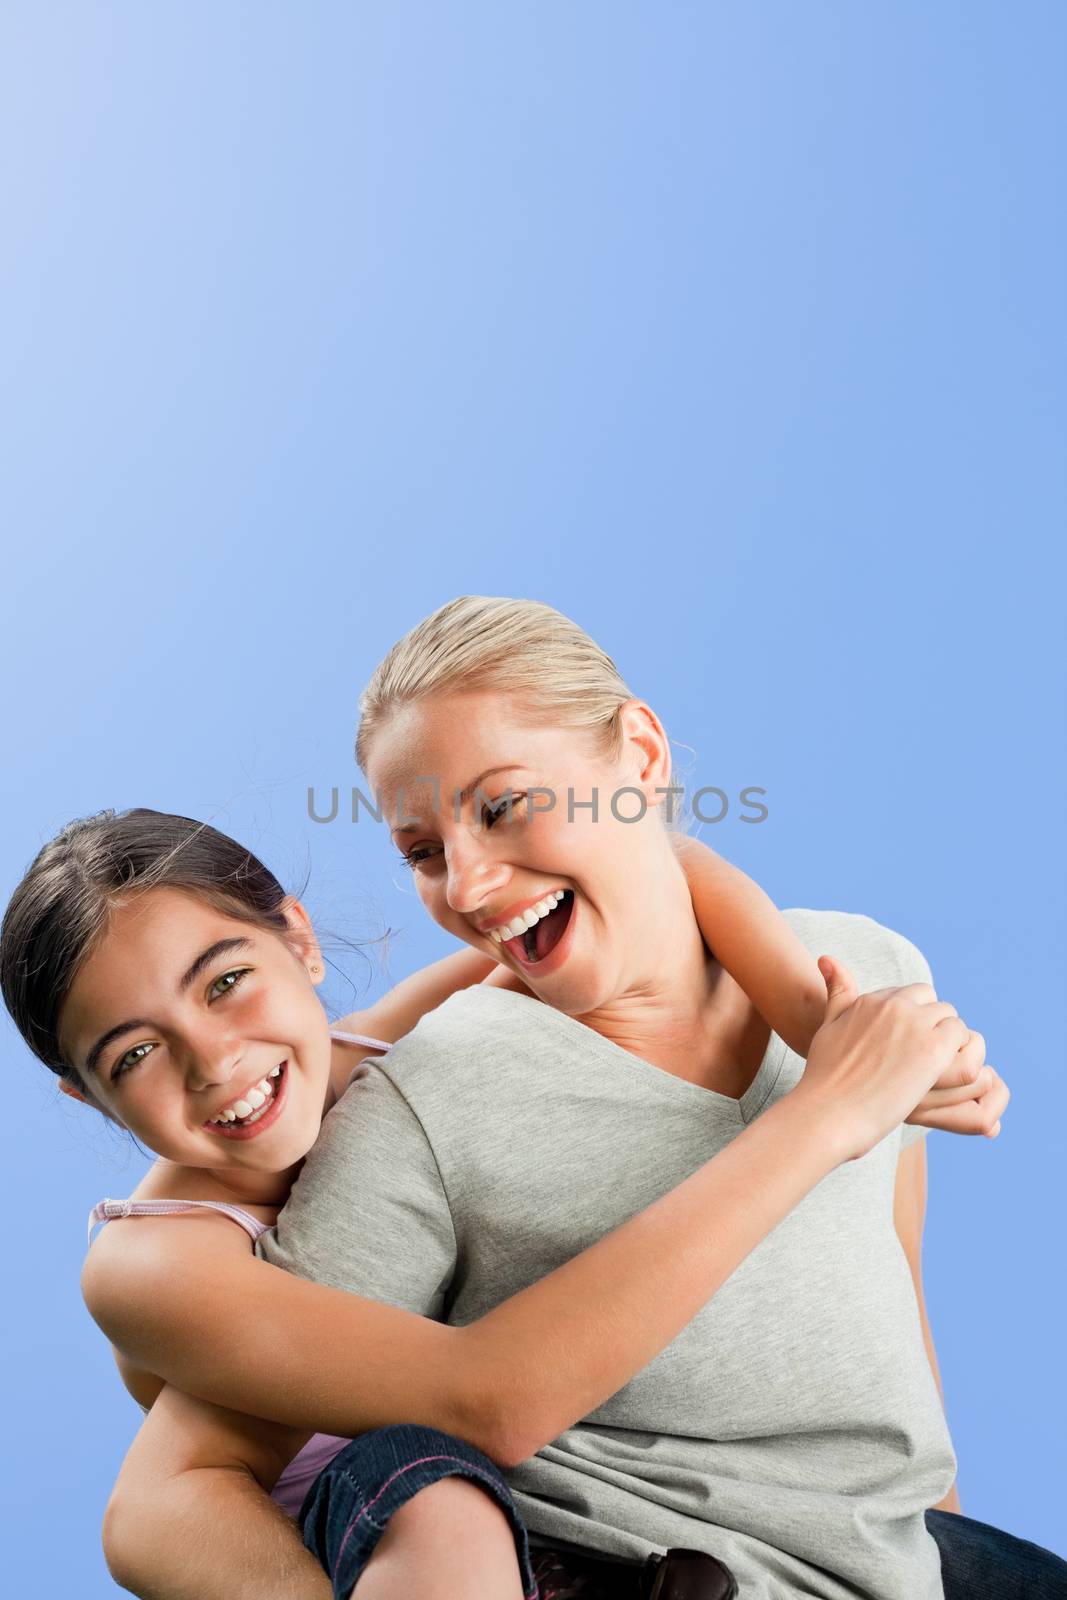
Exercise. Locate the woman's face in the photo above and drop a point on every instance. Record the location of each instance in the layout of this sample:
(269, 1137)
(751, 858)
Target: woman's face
(479, 871)
(183, 1015)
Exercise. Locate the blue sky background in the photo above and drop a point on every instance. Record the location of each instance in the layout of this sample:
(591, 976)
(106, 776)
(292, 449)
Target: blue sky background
(736, 331)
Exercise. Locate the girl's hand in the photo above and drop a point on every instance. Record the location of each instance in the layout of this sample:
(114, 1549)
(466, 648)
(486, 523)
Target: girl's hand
(879, 1056)
(974, 1105)
(969, 1095)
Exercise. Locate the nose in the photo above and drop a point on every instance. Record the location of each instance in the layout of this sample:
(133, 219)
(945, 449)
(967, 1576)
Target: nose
(213, 1063)
(472, 876)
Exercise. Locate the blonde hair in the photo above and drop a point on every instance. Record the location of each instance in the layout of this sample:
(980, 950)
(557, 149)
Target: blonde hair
(523, 648)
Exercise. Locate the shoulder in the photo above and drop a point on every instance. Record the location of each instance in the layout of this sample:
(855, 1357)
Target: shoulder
(879, 957)
(459, 1035)
(134, 1261)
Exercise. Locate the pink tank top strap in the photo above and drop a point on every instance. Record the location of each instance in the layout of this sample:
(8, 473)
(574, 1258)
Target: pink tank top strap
(359, 1038)
(112, 1210)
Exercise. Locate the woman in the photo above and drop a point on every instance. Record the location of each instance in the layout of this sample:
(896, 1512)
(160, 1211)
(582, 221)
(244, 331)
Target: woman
(94, 932)
(486, 687)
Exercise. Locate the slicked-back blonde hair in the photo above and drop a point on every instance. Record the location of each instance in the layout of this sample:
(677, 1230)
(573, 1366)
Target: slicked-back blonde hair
(545, 663)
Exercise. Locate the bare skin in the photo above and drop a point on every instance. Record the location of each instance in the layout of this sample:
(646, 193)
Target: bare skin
(638, 971)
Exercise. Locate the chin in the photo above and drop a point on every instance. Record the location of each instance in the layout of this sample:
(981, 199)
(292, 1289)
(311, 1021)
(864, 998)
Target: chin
(573, 993)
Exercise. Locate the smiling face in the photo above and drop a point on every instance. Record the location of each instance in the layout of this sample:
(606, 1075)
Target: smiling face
(482, 874)
(183, 1015)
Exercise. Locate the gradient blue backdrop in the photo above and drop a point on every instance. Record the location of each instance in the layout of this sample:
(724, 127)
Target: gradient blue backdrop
(734, 330)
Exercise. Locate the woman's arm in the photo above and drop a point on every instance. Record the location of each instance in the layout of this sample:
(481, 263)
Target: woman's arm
(909, 1217)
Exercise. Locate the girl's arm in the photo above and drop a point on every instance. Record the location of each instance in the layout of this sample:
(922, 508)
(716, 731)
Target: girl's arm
(397, 1012)
(519, 1376)
(509, 1383)
(739, 923)
(749, 937)
(186, 1299)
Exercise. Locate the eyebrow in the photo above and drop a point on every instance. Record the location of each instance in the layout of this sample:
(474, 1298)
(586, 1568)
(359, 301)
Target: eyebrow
(467, 793)
(189, 976)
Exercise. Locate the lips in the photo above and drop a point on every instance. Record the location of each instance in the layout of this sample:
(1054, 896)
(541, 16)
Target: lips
(243, 1131)
(535, 948)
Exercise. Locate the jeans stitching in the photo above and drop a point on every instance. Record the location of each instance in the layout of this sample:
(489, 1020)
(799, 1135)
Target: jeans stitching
(421, 1462)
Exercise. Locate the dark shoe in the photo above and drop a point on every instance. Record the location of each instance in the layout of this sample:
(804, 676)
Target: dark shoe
(687, 1575)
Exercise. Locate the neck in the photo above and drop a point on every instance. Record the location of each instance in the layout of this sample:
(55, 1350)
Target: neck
(677, 1007)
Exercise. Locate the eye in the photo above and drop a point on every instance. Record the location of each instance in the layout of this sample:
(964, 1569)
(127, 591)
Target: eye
(500, 808)
(415, 857)
(228, 980)
(132, 1057)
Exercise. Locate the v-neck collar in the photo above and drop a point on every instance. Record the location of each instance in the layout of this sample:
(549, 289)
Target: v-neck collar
(579, 1033)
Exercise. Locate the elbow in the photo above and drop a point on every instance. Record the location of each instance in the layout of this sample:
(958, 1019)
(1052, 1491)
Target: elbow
(504, 1435)
(510, 1449)
(488, 1422)
(493, 1413)
(119, 1539)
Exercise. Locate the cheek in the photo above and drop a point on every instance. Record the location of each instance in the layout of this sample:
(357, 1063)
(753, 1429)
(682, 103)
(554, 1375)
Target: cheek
(551, 835)
(155, 1113)
(430, 889)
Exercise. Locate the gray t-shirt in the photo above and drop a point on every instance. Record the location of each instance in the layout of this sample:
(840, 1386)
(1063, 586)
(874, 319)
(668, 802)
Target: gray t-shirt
(794, 1428)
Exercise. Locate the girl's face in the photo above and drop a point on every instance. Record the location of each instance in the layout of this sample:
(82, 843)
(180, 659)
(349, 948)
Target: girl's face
(183, 1015)
(480, 871)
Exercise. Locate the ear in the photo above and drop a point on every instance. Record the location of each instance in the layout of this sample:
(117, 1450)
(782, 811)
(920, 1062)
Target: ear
(646, 749)
(66, 1087)
(303, 943)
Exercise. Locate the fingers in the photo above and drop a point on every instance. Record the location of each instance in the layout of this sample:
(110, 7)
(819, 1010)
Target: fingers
(841, 988)
(976, 1108)
(952, 1032)
(921, 993)
(945, 1093)
(966, 1064)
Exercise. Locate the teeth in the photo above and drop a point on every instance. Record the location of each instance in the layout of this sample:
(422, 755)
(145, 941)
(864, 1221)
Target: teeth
(528, 919)
(253, 1100)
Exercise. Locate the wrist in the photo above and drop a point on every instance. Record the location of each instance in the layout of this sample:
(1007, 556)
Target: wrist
(819, 1122)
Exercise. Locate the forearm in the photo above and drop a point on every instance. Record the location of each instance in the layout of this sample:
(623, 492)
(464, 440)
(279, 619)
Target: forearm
(397, 1012)
(562, 1347)
(751, 940)
(208, 1534)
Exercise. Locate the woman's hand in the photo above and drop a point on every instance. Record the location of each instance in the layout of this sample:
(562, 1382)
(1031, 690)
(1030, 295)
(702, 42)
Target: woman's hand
(897, 1054)
(969, 1097)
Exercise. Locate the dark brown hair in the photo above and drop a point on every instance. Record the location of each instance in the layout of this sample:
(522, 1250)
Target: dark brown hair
(62, 907)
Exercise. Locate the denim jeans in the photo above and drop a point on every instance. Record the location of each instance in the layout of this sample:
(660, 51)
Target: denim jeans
(980, 1562)
(351, 1501)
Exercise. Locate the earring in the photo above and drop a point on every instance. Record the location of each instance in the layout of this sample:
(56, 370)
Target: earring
(314, 967)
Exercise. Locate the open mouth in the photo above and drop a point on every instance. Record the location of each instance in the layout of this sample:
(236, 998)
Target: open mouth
(247, 1119)
(537, 943)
